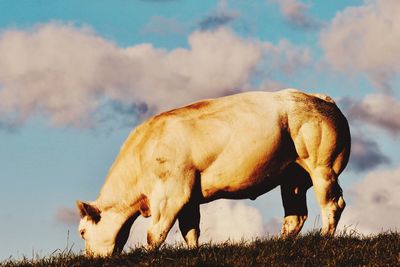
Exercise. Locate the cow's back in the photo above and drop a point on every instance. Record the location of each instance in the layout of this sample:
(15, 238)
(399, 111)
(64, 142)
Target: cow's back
(234, 141)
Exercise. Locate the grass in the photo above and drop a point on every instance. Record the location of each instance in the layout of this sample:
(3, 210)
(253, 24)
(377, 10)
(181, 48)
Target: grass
(347, 249)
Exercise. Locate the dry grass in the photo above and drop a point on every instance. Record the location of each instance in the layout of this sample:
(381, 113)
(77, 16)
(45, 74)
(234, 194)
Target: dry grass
(348, 249)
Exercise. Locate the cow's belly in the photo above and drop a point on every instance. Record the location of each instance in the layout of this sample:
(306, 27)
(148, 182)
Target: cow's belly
(249, 189)
(246, 171)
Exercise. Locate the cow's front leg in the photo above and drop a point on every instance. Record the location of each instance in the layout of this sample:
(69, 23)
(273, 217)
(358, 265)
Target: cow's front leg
(189, 223)
(294, 187)
(166, 202)
(163, 217)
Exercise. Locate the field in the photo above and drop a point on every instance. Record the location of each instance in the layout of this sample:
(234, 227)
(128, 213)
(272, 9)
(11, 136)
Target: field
(307, 250)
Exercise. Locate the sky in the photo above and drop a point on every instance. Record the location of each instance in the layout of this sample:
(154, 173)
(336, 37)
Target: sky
(77, 76)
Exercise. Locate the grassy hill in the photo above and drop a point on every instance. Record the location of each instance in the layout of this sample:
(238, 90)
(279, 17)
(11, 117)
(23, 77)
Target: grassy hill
(307, 250)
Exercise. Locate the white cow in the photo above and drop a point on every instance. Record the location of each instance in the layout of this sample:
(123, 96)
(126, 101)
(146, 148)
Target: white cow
(235, 147)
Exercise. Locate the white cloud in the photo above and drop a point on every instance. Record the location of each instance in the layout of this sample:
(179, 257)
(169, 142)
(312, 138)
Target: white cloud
(295, 13)
(49, 70)
(273, 226)
(366, 39)
(286, 58)
(64, 72)
(380, 110)
(67, 74)
(220, 220)
(230, 219)
(375, 203)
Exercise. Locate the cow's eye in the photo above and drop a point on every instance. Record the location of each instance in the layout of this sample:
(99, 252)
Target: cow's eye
(82, 232)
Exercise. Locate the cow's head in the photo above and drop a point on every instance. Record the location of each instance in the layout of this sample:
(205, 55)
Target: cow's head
(105, 231)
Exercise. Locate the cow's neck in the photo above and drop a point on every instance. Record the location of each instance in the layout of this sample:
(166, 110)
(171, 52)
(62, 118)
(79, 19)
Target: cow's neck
(119, 191)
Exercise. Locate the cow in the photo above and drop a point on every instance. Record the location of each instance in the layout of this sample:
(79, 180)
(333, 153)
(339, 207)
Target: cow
(234, 147)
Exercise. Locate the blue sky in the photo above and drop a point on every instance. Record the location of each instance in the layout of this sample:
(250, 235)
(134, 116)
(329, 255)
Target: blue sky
(77, 76)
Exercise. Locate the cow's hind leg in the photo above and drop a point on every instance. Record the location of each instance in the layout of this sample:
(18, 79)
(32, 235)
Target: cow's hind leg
(295, 183)
(189, 223)
(330, 198)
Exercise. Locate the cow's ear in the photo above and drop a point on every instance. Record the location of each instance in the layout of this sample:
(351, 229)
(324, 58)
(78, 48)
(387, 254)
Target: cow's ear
(86, 209)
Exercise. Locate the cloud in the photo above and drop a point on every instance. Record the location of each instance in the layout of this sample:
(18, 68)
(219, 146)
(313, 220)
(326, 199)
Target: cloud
(162, 26)
(365, 154)
(272, 226)
(284, 57)
(67, 216)
(364, 39)
(221, 220)
(220, 17)
(281, 59)
(375, 204)
(49, 70)
(295, 13)
(230, 219)
(67, 74)
(216, 20)
(380, 110)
